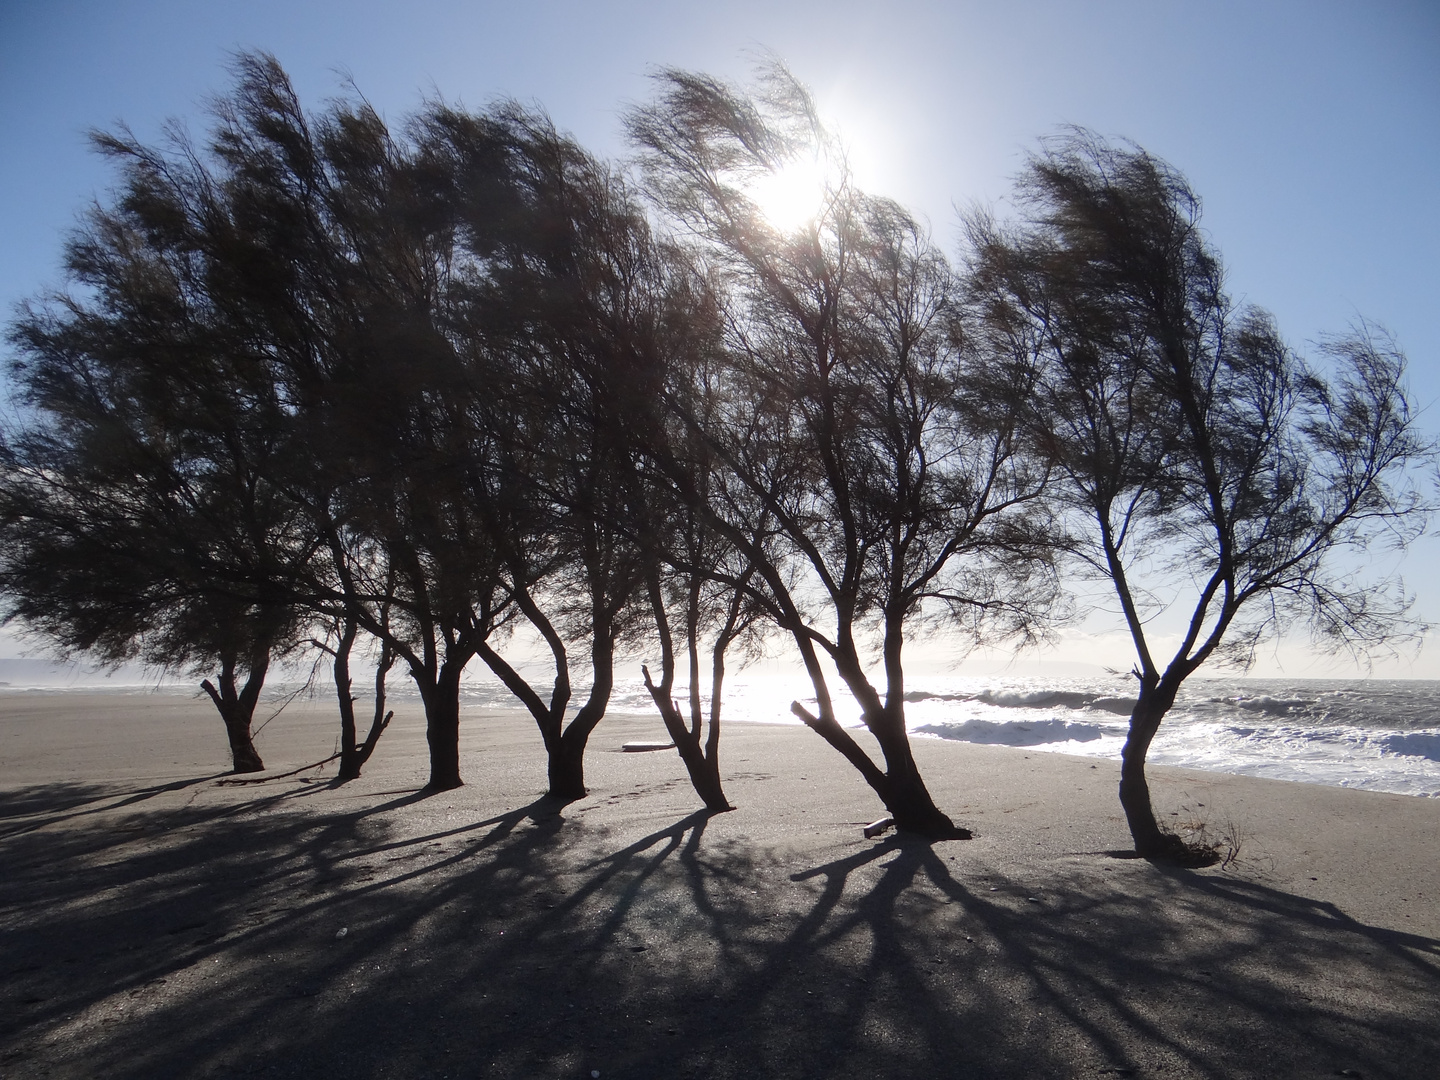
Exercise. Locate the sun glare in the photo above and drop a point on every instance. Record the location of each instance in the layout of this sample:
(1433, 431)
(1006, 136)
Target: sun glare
(792, 197)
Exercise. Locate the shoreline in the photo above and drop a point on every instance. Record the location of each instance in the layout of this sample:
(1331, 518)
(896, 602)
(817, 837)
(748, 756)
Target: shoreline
(1356, 773)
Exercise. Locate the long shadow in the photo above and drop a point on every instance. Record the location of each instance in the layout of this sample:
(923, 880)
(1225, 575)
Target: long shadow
(283, 936)
(52, 803)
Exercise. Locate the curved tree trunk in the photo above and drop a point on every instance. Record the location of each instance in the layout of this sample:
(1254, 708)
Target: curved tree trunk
(353, 753)
(1135, 790)
(904, 793)
(703, 767)
(243, 755)
(701, 758)
(349, 758)
(1151, 841)
(899, 785)
(567, 751)
(237, 706)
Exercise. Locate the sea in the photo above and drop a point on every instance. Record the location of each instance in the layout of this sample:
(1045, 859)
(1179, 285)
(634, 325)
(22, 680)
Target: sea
(1370, 734)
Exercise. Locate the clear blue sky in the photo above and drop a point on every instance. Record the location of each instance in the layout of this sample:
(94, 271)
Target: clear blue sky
(1310, 129)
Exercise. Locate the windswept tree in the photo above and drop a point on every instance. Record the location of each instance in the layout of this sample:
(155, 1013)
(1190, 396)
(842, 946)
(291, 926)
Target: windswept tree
(699, 588)
(264, 345)
(341, 246)
(699, 584)
(1226, 490)
(565, 313)
(868, 452)
(139, 514)
(339, 645)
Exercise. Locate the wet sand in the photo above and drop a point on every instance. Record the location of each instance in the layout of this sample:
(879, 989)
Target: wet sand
(159, 921)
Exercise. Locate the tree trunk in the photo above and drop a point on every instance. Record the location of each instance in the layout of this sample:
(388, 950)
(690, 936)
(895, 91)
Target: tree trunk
(349, 756)
(567, 751)
(1151, 842)
(704, 768)
(243, 755)
(237, 707)
(900, 786)
(382, 716)
(702, 762)
(904, 792)
(908, 799)
(354, 754)
(566, 770)
(442, 727)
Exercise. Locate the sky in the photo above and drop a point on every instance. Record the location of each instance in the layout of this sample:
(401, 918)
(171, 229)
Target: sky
(1311, 130)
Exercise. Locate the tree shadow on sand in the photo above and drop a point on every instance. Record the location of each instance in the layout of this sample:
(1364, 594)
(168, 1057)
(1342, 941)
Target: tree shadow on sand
(29, 808)
(278, 937)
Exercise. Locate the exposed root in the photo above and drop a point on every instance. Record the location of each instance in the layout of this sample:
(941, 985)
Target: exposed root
(1187, 854)
(1191, 853)
(280, 776)
(1223, 842)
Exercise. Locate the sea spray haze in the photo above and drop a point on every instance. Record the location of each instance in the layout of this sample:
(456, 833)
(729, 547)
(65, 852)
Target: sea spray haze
(1206, 471)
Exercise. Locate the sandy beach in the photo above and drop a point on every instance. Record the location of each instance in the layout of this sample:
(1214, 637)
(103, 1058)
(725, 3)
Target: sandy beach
(159, 921)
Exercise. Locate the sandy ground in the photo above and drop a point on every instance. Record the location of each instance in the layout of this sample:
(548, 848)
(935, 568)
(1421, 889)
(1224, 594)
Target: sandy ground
(156, 921)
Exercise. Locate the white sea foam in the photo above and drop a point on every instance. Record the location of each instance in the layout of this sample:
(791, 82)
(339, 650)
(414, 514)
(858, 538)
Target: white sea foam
(1377, 735)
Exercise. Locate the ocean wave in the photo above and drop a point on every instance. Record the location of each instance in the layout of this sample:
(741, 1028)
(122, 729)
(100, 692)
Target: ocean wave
(1011, 733)
(1421, 744)
(1266, 705)
(1035, 699)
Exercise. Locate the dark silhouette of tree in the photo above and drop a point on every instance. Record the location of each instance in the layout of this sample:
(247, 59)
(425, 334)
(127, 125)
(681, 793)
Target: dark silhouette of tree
(271, 316)
(869, 464)
(355, 752)
(698, 583)
(567, 319)
(702, 588)
(343, 253)
(1206, 471)
(139, 517)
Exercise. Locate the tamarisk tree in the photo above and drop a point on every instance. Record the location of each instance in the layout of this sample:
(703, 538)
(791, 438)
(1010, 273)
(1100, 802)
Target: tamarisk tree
(140, 516)
(1222, 486)
(868, 459)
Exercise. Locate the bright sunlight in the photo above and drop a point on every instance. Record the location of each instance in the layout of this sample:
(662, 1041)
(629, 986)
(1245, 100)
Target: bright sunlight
(793, 196)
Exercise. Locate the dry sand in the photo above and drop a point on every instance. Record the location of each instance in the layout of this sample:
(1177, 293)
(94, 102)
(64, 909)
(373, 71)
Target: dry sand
(158, 922)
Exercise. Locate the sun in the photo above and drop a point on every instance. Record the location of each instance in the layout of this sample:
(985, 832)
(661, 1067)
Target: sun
(793, 196)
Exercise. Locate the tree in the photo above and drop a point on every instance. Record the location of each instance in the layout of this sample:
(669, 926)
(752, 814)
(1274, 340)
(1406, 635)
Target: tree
(1207, 472)
(695, 579)
(566, 320)
(269, 334)
(341, 254)
(870, 464)
(354, 752)
(712, 605)
(139, 517)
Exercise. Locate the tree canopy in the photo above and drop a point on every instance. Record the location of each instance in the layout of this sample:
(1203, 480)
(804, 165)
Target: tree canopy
(1204, 469)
